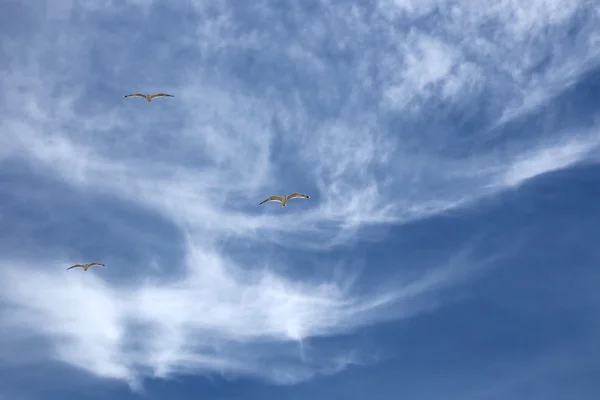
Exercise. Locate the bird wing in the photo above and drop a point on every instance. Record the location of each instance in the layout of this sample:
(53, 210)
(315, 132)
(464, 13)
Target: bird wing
(272, 198)
(161, 95)
(298, 195)
(76, 266)
(136, 95)
(95, 263)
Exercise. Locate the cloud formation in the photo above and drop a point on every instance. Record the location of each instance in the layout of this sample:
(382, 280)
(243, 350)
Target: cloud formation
(351, 104)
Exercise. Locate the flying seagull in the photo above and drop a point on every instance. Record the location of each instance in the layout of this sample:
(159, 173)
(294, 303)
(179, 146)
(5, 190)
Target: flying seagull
(149, 97)
(84, 266)
(284, 199)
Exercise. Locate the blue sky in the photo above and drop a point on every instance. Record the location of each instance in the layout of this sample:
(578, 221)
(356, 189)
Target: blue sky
(448, 250)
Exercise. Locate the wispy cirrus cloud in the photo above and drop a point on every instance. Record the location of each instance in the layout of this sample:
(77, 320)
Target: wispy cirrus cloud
(219, 317)
(349, 103)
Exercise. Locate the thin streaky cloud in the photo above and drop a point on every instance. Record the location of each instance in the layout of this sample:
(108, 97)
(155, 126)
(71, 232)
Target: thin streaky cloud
(201, 322)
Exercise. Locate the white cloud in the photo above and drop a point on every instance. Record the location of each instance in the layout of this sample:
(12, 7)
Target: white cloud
(219, 316)
(500, 42)
(547, 159)
(205, 158)
(427, 61)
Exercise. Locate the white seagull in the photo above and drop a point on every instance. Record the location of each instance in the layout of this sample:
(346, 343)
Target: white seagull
(284, 199)
(149, 97)
(85, 266)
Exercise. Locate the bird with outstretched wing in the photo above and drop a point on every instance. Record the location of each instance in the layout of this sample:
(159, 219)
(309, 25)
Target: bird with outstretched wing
(85, 266)
(284, 199)
(149, 97)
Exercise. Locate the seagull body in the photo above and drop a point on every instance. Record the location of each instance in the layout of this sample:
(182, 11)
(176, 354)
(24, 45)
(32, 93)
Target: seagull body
(149, 97)
(284, 199)
(85, 266)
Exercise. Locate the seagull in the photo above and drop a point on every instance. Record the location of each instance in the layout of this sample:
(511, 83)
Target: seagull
(284, 199)
(149, 97)
(84, 266)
